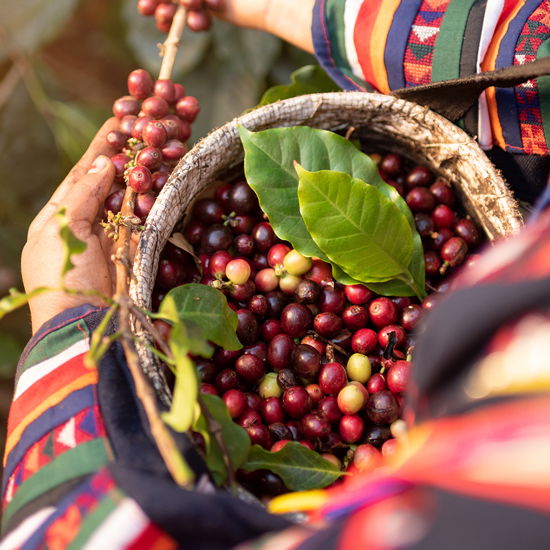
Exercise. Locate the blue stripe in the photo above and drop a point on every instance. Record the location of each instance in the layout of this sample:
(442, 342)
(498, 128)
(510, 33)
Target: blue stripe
(321, 45)
(506, 97)
(396, 43)
(45, 423)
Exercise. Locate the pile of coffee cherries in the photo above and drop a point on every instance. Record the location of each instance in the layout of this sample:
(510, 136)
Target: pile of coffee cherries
(197, 17)
(154, 123)
(322, 363)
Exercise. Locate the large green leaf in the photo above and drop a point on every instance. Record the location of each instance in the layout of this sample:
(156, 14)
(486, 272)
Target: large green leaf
(207, 308)
(269, 168)
(306, 80)
(300, 468)
(357, 227)
(236, 440)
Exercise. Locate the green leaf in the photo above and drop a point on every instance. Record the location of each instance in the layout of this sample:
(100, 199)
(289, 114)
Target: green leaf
(186, 390)
(235, 438)
(10, 351)
(71, 244)
(207, 308)
(17, 299)
(357, 227)
(306, 80)
(269, 158)
(192, 335)
(300, 468)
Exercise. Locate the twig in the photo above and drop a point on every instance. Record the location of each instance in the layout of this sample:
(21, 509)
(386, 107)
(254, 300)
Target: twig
(169, 48)
(145, 393)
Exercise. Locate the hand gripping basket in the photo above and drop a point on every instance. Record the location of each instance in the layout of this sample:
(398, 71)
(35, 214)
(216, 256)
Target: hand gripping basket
(384, 122)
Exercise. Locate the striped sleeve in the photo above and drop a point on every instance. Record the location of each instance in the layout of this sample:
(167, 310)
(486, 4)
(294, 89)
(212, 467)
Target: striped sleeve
(55, 433)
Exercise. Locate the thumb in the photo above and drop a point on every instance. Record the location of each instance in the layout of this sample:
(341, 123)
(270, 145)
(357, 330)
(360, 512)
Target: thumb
(86, 196)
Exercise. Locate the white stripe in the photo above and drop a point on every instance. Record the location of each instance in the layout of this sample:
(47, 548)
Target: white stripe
(38, 371)
(350, 17)
(490, 20)
(26, 529)
(121, 527)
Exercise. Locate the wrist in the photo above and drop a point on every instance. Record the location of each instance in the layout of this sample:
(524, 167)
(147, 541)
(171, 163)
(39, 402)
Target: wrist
(291, 21)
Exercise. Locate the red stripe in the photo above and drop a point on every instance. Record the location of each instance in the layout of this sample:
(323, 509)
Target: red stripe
(44, 387)
(152, 538)
(362, 35)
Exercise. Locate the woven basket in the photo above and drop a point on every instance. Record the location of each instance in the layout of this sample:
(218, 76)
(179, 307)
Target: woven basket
(386, 123)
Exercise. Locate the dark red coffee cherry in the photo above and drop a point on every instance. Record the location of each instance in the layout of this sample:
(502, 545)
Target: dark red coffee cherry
(454, 251)
(296, 319)
(467, 230)
(296, 401)
(305, 361)
(382, 408)
(420, 176)
(420, 199)
(443, 192)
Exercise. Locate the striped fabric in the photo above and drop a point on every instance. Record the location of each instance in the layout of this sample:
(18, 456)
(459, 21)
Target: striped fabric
(390, 44)
(55, 431)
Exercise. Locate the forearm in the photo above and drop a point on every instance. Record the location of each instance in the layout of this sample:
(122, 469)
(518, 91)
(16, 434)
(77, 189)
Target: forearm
(287, 19)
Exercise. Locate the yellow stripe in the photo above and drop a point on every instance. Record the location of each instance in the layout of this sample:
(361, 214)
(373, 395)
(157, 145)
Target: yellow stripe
(488, 64)
(379, 36)
(51, 401)
(301, 501)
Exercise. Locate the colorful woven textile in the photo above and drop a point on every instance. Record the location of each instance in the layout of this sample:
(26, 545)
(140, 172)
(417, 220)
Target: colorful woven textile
(391, 44)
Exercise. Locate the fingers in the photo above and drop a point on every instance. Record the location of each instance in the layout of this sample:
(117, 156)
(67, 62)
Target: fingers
(98, 146)
(85, 198)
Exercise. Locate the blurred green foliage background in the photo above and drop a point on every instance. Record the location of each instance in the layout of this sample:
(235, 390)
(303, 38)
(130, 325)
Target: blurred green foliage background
(62, 63)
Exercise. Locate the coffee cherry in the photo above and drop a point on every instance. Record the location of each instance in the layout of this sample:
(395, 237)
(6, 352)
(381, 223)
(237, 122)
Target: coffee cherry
(443, 192)
(320, 272)
(259, 435)
(367, 458)
(454, 251)
(443, 216)
(235, 402)
(277, 301)
(164, 13)
(314, 343)
(263, 236)
(147, 7)
(424, 224)
(127, 123)
(307, 291)
(419, 176)
(174, 149)
(296, 264)
(328, 407)
(355, 317)
(155, 107)
(432, 263)
(277, 253)
(296, 320)
(258, 304)
(176, 128)
(376, 383)
(382, 407)
(216, 237)
(358, 367)
(154, 134)
(116, 139)
(332, 300)
(315, 393)
(296, 401)
(351, 428)
(410, 316)
(243, 245)
(288, 283)
(351, 399)
(389, 448)
(198, 20)
(315, 427)
(442, 236)
(364, 341)
(165, 88)
(266, 280)
(192, 4)
(420, 199)
(383, 312)
(139, 179)
(188, 108)
(286, 378)
(391, 164)
(143, 205)
(327, 324)
(332, 378)
(140, 84)
(250, 417)
(272, 410)
(226, 380)
(247, 327)
(279, 351)
(126, 105)
(467, 230)
(270, 328)
(114, 201)
(238, 271)
(358, 294)
(305, 361)
(250, 368)
(269, 386)
(398, 376)
(208, 388)
(279, 433)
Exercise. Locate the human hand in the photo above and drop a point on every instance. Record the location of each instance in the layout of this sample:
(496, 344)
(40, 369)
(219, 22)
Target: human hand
(83, 193)
(287, 19)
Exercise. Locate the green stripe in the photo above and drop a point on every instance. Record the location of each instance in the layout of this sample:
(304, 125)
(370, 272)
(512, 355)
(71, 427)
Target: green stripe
(81, 460)
(448, 45)
(95, 518)
(543, 85)
(335, 16)
(55, 343)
